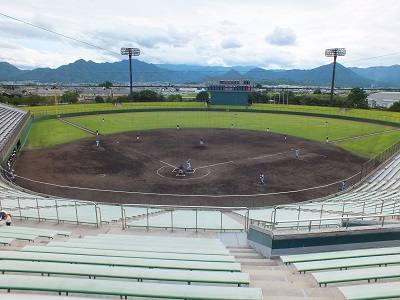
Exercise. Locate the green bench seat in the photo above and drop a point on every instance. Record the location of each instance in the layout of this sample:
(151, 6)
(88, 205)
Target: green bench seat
(164, 239)
(18, 236)
(387, 290)
(48, 233)
(287, 259)
(80, 243)
(6, 240)
(345, 263)
(140, 274)
(118, 253)
(127, 288)
(357, 275)
(166, 247)
(160, 243)
(121, 261)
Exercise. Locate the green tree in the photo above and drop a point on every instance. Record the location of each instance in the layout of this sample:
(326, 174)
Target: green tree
(122, 98)
(148, 96)
(3, 99)
(70, 97)
(33, 100)
(106, 84)
(203, 96)
(317, 91)
(15, 101)
(174, 98)
(98, 99)
(358, 98)
(395, 106)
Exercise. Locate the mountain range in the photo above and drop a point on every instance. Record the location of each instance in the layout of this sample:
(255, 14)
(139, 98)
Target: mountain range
(89, 72)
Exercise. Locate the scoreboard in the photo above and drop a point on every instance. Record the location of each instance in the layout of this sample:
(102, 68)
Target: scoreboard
(230, 91)
(230, 85)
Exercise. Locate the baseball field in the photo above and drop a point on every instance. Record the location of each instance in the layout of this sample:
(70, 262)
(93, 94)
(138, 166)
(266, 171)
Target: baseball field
(65, 161)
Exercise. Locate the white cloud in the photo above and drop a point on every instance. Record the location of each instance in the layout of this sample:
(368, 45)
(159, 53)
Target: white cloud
(285, 34)
(281, 36)
(230, 43)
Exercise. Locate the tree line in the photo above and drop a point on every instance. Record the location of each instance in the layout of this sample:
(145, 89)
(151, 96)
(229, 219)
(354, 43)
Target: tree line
(69, 97)
(357, 98)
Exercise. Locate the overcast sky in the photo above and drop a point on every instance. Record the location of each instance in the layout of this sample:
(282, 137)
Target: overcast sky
(273, 34)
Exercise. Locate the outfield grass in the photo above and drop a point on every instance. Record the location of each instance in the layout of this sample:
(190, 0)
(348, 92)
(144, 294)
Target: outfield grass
(52, 132)
(333, 111)
(100, 107)
(372, 145)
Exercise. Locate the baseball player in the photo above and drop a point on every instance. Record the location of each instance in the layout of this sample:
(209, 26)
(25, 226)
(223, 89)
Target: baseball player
(180, 171)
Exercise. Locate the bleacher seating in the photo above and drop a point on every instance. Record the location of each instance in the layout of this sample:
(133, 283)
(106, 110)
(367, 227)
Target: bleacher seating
(9, 234)
(387, 290)
(355, 265)
(167, 274)
(9, 118)
(126, 288)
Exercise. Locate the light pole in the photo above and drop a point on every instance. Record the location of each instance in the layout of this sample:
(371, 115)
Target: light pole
(335, 52)
(131, 52)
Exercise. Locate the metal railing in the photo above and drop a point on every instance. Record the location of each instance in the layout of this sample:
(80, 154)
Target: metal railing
(172, 208)
(317, 223)
(37, 210)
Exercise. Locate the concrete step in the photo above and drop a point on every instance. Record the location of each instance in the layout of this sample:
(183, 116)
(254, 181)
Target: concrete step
(255, 262)
(265, 271)
(234, 251)
(248, 255)
(281, 284)
(239, 247)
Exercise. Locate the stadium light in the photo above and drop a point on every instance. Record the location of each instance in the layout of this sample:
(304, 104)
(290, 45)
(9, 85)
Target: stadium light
(334, 52)
(130, 52)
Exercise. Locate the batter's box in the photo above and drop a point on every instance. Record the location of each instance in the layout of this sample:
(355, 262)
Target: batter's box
(191, 171)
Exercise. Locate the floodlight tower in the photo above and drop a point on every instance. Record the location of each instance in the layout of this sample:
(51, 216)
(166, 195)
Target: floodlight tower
(335, 52)
(131, 52)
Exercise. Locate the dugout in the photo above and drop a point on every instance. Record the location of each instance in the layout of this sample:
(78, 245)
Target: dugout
(233, 92)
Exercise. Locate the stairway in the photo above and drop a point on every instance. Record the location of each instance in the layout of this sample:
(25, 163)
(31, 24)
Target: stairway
(279, 281)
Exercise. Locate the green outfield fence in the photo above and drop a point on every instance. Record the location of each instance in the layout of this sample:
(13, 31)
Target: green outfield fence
(363, 117)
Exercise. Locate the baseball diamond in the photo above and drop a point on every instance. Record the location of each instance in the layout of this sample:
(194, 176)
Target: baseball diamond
(226, 173)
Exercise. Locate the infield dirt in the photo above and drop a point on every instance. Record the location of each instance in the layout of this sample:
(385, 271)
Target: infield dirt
(227, 168)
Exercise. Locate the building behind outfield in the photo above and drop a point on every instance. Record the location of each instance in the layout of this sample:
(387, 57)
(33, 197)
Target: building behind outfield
(383, 99)
(232, 91)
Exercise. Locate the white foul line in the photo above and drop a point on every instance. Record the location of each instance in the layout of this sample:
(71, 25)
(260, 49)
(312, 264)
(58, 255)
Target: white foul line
(213, 165)
(165, 163)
